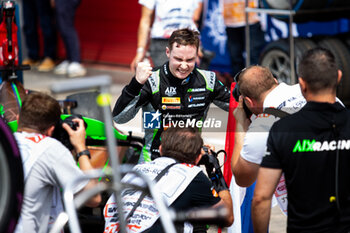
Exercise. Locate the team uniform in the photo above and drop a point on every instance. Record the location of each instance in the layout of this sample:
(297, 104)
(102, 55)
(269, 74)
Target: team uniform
(177, 100)
(183, 187)
(305, 146)
(48, 166)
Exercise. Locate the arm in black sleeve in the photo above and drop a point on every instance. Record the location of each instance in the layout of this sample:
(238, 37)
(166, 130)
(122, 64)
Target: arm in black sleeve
(272, 157)
(221, 95)
(132, 98)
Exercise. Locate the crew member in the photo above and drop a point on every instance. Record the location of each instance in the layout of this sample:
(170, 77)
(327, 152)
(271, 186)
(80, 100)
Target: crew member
(311, 148)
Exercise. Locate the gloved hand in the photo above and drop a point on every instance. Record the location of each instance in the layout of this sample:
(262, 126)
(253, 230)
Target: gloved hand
(212, 165)
(218, 181)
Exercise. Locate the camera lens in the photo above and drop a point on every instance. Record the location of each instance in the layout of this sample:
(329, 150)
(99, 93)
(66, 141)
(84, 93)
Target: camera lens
(236, 93)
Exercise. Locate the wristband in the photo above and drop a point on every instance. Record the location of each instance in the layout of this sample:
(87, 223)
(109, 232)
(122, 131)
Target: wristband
(140, 50)
(84, 152)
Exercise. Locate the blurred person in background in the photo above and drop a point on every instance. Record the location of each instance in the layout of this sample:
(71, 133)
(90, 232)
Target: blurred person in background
(39, 13)
(168, 15)
(234, 19)
(65, 15)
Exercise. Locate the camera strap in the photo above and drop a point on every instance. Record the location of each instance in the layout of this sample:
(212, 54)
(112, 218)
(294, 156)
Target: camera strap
(276, 112)
(143, 194)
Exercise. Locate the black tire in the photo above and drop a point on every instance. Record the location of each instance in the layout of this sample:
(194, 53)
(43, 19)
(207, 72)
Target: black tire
(275, 56)
(11, 180)
(86, 105)
(342, 57)
(301, 5)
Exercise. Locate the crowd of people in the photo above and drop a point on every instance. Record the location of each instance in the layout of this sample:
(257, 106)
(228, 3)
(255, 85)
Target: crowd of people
(291, 141)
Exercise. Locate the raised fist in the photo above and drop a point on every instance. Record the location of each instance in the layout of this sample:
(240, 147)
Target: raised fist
(143, 72)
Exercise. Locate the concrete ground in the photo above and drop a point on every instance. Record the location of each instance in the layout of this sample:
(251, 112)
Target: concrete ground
(39, 81)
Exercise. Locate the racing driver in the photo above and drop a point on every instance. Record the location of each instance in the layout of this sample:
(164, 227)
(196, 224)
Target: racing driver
(175, 93)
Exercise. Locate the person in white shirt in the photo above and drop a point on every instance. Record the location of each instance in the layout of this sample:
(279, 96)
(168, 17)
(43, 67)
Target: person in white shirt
(169, 15)
(48, 165)
(260, 91)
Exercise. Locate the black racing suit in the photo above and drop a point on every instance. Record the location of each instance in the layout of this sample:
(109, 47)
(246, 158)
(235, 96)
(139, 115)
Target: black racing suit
(176, 100)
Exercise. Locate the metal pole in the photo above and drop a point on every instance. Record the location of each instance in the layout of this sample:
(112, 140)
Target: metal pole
(270, 11)
(113, 155)
(247, 36)
(103, 100)
(291, 46)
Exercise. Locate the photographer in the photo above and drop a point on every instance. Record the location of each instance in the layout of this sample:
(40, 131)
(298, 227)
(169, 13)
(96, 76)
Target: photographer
(48, 165)
(184, 186)
(259, 91)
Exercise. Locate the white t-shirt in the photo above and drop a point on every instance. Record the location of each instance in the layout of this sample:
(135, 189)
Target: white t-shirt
(51, 170)
(284, 97)
(171, 15)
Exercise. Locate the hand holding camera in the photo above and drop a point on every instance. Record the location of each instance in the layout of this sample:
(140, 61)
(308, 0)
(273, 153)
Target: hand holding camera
(213, 168)
(76, 133)
(237, 94)
(71, 132)
(242, 113)
(242, 122)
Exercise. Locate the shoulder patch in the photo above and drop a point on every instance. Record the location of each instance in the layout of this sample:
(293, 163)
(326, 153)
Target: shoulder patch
(154, 81)
(209, 78)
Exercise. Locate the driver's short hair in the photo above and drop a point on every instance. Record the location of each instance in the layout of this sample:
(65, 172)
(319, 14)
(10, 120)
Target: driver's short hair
(184, 36)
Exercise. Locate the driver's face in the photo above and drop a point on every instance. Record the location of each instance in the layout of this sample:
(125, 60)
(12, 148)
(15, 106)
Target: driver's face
(182, 59)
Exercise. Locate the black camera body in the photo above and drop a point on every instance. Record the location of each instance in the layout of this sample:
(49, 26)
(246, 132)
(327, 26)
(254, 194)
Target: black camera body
(213, 168)
(236, 93)
(73, 125)
(61, 134)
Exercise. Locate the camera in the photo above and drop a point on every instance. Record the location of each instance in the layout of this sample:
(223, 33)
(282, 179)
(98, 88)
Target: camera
(69, 121)
(61, 134)
(236, 93)
(212, 166)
